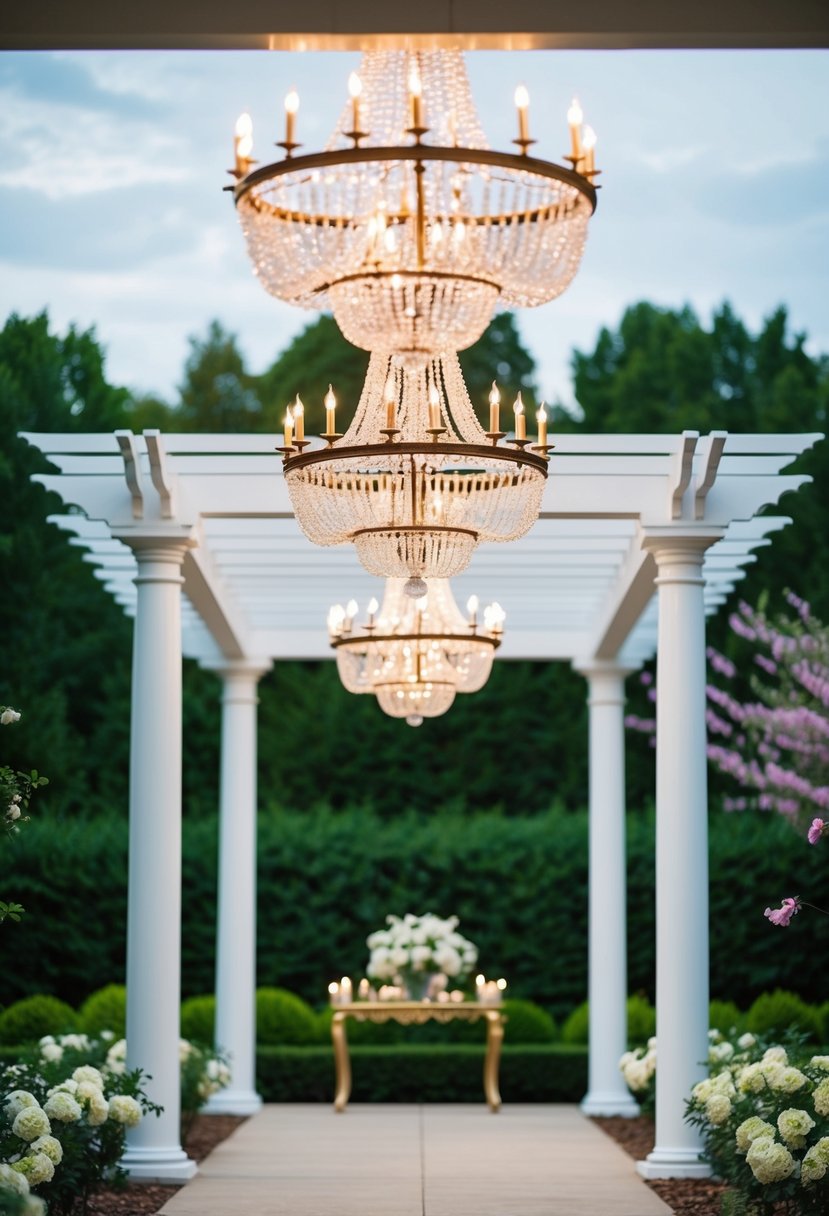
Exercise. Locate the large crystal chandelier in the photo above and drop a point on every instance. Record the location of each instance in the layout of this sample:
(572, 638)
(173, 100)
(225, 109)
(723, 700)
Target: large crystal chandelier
(411, 241)
(415, 655)
(413, 244)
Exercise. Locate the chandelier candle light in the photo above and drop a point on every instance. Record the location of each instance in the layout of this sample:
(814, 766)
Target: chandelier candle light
(416, 654)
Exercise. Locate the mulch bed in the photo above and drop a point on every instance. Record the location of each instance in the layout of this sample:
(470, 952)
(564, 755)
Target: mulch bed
(138, 1200)
(686, 1196)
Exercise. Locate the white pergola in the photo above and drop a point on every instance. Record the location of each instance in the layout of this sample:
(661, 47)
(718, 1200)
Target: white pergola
(640, 537)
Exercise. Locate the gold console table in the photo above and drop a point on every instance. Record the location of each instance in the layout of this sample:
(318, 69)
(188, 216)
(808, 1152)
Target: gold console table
(415, 1013)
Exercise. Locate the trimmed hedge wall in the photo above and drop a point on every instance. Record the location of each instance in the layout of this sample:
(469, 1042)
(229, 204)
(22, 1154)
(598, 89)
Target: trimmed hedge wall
(423, 1073)
(326, 879)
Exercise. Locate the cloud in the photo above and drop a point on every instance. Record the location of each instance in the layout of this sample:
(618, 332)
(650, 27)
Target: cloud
(59, 81)
(778, 193)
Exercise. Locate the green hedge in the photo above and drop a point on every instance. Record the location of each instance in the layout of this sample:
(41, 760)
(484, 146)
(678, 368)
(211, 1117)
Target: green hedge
(326, 880)
(423, 1073)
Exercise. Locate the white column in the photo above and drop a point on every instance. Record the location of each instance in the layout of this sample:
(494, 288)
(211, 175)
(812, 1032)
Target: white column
(154, 1152)
(236, 914)
(681, 853)
(607, 1093)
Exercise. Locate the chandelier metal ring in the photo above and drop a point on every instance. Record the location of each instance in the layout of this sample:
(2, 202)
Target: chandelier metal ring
(425, 449)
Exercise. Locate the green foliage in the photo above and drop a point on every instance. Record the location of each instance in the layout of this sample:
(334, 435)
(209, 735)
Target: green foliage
(778, 1011)
(528, 1023)
(725, 1016)
(283, 1019)
(499, 355)
(423, 1073)
(30, 1019)
(327, 879)
(576, 1028)
(105, 1009)
(317, 357)
(198, 1019)
(641, 1018)
(217, 394)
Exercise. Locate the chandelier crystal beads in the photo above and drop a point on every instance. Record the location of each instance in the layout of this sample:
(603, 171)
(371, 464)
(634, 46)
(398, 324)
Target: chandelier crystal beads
(415, 655)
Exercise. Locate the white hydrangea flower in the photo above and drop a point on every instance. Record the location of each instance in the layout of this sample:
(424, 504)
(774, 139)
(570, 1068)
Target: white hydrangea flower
(63, 1107)
(821, 1062)
(13, 1180)
(19, 1099)
(723, 1083)
(794, 1125)
(775, 1055)
(787, 1080)
(98, 1110)
(714, 1036)
(124, 1109)
(87, 1074)
(720, 1053)
(50, 1146)
(36, 1167)
(75, 1042)
(717, 1109)
(65, 1087)
(117, 1057)
(52, 1053)
(185, 1050)
(35, 1206)
(9, 715)
(769, 1161)
(421, 956)
(30, 1123)
(749, 1130)
(702, 1091)
(107, 1036)
(812, 1168)
(751, 1079)
(746, 1041)
(821, 1098)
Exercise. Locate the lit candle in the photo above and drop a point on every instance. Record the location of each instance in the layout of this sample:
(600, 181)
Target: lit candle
(345, 990)
(291, 107)
(501, 985)
(589, 165)
(495, 410)
(330, 410)
(480, 982)
(574, 118)
(243, 143)
(288, 431)
(416, 96)
(355, 88)
(334, 992)
(299, 419)
(522, 101)
(434, 408)
(541, 418)
(372, 608)
(336, 616)
(472, 609)
(363, 989)
(391, 404)
(350, 613)
(520, 418)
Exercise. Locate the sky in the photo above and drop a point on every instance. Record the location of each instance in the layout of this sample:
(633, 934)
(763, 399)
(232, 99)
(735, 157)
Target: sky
(715, 168)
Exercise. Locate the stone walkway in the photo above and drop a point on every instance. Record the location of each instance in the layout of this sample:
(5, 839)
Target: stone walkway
(303, 1160)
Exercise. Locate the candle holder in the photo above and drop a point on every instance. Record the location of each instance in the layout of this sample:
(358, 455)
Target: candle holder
(520, 443)
(331, 438)
(286, 452)
(495, 436)
(418, 132)
(435, 432)
(356, 136)
(524, 144)
(389, 432)
(543, 448)
(289, 147)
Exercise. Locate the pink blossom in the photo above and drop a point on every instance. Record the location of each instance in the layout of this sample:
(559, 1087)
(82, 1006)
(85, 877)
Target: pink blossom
(782, 916)
(816, 831)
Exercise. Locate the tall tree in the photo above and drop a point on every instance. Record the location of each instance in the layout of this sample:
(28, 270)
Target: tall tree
(217, 392)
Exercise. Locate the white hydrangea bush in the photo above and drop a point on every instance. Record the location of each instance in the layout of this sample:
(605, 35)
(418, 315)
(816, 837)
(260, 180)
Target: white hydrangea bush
(764, 1117)
(412, 946)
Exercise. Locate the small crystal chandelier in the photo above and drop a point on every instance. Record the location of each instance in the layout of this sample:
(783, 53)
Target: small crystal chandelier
(413, 244)
(415, 655)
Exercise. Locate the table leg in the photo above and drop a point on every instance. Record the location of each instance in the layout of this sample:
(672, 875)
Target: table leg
(342, 1063)
(492, 1059)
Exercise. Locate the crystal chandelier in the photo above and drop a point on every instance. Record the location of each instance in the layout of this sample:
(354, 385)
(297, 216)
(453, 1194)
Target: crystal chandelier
(413, 244)
(415, 655)
(416, 483)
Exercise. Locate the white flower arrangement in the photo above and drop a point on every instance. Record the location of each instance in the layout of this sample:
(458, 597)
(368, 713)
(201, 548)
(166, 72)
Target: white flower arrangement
(413, 947)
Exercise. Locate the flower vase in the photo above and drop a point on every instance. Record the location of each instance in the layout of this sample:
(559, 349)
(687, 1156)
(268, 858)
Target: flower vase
(417, 984)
